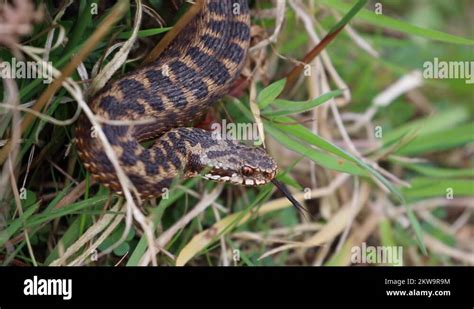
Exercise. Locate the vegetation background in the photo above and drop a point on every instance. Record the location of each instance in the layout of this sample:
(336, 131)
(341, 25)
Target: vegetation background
(390, 171)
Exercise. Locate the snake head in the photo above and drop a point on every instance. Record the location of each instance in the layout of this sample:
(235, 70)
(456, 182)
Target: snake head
(238, 164)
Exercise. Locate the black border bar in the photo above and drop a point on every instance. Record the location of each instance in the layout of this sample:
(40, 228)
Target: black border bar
(263, 285)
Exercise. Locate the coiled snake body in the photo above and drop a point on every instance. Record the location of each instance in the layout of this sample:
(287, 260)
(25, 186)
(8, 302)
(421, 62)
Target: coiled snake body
(194, 71)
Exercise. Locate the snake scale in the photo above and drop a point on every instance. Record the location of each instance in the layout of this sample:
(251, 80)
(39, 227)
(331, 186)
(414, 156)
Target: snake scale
(192, 73)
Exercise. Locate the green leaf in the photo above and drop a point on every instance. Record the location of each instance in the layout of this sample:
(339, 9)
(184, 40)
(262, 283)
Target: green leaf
(434, 171)
(439, 122)
(439, 141)
(428, 187)
(401, 26)
(347, 17)
(387, 238)
(144, 33)
(318, 157)
(16, 224)
(122, 249)
(386, 233)
(114, 237)
(269, 94)
(415, 224)
(291, 107)
(246, 259)
(306, 135)
(290, 181)
(138, 252)
(52, 214)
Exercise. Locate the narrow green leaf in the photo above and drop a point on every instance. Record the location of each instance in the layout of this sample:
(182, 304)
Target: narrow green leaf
(434, 171)
(16, 224)
(439, 122)
(401, 26)
(352, 12)
(144, 33)
(73, 208)
(439, 141)
(415, 224)
(137, 253)
(318, 157)
(269, 94)
(306, 135)
(428, 187)
(290, 107)
(387, 237)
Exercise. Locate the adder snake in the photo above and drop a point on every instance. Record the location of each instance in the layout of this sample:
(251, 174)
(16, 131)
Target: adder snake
(191, 74)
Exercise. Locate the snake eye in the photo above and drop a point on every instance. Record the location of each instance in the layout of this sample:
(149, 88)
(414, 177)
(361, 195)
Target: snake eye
(247, 171)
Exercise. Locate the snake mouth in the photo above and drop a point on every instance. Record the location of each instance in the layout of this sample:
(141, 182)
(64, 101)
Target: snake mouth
(259, 177)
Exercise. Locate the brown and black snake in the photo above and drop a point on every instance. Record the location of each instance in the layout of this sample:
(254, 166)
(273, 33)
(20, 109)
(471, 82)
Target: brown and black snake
(191, 74)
